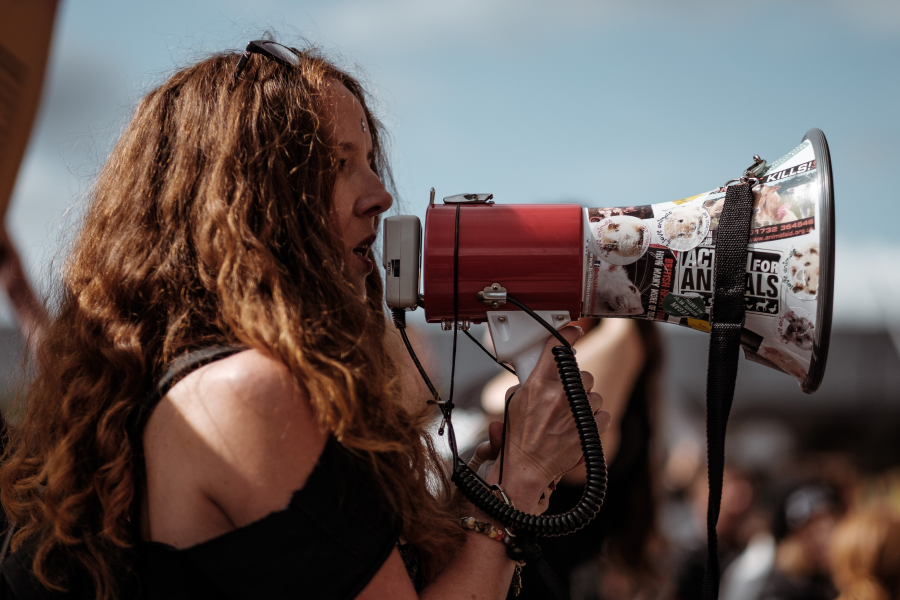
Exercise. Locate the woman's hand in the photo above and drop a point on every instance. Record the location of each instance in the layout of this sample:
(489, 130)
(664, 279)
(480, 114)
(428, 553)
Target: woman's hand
(541, 440)
(486, 455)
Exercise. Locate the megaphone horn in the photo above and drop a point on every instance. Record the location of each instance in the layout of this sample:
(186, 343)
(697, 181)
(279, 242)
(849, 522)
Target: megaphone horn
(642, 262)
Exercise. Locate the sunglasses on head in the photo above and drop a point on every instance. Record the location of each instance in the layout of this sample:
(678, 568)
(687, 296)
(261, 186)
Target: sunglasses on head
(289, 57)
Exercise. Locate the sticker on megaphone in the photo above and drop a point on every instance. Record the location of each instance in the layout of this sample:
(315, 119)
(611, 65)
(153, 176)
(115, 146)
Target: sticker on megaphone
(620, 239)
(656, 262)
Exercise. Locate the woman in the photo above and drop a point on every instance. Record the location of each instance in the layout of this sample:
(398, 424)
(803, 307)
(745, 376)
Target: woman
(238, 213)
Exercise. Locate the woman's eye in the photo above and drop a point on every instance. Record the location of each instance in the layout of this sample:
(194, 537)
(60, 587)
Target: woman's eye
(342, 162)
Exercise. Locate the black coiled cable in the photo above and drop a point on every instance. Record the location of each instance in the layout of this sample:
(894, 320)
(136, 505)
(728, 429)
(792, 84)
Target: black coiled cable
(587, 508)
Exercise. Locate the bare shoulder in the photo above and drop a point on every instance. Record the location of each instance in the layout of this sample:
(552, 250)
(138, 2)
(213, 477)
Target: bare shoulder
(238, 432)
(248, 378)
(236, 396)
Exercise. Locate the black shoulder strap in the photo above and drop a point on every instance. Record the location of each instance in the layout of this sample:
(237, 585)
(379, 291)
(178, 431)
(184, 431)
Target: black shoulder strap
(180, 368)
(727, 320)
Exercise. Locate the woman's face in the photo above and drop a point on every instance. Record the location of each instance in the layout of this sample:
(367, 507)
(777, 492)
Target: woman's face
(359, 196)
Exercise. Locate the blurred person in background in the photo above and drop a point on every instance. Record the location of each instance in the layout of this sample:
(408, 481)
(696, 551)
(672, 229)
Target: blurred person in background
(803, 528)
(865, 554)
(746, 548)
(617, 555)
(29, 309)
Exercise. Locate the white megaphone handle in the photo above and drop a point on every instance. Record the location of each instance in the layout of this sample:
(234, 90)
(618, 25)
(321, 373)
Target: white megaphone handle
(519, 339)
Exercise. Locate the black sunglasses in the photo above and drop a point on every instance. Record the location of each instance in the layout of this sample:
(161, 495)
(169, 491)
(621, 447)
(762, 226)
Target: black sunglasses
(289, 57)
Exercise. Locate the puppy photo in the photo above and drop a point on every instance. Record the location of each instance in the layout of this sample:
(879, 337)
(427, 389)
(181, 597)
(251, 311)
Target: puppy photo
(801, 271)
(684, 227)
(803, 197)
(796, 329)
(769, 208)
(714, 208)
(620, 240)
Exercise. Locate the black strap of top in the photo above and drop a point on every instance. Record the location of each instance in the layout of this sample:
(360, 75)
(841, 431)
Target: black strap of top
(727, 320)
(180, 368)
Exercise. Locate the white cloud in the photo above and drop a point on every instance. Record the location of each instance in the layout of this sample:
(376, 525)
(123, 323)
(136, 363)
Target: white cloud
(416, 25)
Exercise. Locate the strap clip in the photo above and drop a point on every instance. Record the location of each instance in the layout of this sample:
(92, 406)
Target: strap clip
(752, 173)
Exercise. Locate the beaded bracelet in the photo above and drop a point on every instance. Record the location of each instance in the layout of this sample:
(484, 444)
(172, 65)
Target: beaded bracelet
(504, 537)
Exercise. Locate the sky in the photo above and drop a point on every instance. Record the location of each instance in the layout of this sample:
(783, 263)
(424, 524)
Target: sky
(603, 103)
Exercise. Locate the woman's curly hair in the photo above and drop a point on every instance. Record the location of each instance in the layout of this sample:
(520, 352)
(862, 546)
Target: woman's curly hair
(210, 223)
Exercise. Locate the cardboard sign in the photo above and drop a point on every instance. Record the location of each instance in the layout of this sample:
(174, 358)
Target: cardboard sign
(26, 28)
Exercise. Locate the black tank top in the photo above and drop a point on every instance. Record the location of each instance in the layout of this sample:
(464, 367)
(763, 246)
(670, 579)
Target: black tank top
(329, 542)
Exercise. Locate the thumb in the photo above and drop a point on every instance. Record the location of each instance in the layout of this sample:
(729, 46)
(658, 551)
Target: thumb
(495, 435)
(489, 450)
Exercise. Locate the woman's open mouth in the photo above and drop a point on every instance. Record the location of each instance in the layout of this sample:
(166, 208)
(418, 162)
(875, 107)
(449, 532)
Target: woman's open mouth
(361, 252)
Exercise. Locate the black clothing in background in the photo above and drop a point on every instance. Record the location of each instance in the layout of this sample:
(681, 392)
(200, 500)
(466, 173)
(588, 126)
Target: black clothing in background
(779, 586)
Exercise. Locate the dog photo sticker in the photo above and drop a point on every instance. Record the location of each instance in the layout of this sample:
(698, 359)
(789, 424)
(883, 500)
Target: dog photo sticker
(773, 208)
(620, 240)
(801, 271)
(796, 328)
(684, 227)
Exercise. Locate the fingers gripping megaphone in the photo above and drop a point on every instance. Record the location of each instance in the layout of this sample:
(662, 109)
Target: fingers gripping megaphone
(654, 262)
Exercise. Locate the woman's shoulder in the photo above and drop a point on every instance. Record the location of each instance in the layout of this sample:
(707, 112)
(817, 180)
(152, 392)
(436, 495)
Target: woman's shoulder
(238, 394)
(238, 435)
(236, 375)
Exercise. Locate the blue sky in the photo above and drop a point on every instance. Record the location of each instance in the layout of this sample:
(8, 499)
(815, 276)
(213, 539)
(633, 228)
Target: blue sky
(602, 103)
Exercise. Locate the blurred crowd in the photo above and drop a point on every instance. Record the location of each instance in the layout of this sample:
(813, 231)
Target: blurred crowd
(810, 526)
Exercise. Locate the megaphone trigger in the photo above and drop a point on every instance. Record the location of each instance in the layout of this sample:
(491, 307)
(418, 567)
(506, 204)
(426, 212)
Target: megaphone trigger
(519, 339)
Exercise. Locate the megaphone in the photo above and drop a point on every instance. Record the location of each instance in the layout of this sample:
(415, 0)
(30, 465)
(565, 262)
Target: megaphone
(654, 261)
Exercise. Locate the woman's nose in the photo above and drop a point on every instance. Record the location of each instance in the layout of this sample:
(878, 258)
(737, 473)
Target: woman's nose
(375, 198)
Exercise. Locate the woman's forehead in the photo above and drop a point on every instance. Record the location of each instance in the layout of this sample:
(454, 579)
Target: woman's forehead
(346, 117)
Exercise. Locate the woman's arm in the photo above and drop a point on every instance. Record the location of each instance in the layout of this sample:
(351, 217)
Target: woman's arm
(614, 353)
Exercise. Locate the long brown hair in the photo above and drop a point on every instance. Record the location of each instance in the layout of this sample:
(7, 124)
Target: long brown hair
(209, 224)
(865, 554)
